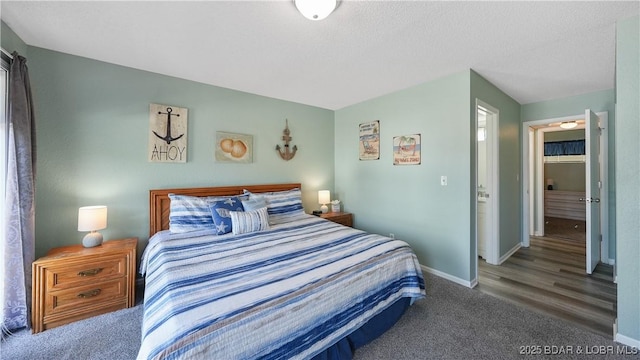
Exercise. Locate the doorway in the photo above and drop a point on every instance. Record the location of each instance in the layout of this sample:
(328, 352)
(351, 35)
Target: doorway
(534, 183)
(547, 275)
(487, 194)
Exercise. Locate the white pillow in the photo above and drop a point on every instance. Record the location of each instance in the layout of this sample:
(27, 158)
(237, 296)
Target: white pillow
(243, 222)
(282, 206)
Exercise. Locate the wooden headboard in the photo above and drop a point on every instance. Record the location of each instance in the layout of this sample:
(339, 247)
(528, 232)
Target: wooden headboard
(159, 199)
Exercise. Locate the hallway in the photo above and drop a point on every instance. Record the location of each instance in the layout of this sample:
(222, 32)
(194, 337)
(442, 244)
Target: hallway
(550, 277)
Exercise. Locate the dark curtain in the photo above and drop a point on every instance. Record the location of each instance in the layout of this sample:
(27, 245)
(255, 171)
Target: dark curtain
(569, 147)
(19, 233)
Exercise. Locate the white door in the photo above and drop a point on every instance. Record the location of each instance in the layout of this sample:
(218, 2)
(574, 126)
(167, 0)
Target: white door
(482, 228)
(487, 182)
(592, 191)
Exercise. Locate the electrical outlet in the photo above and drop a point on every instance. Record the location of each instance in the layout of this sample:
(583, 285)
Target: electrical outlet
(443, 180)
(392, 235)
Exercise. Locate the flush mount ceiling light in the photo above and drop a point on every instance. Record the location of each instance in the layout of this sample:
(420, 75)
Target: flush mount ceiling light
(568, 124)
(315, 9)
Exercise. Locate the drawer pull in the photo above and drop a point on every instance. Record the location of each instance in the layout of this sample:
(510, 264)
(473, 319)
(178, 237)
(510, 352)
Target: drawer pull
(91, 272)
(89, 294)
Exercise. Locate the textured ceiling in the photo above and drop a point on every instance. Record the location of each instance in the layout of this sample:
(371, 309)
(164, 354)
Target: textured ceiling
(531, 50)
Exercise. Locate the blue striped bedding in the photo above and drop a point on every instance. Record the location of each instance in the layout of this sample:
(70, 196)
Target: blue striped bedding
(288, 292)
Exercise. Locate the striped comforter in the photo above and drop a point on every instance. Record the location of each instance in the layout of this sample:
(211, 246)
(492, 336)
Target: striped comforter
(289, 292)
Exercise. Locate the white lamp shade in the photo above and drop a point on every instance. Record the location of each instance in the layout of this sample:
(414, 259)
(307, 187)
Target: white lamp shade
(91, 218)
(315, 9)
(324, 197)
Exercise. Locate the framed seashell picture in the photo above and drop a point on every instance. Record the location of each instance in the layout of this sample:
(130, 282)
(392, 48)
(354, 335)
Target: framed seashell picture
(234, 148)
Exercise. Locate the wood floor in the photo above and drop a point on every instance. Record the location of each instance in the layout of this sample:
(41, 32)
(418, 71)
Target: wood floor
(550, 277)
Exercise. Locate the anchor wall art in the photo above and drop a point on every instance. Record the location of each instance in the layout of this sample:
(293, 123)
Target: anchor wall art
(167, 133)
(289, 152)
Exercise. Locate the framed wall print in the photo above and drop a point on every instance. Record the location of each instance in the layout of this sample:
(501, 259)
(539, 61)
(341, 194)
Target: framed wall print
(234, 148)
(167, 134)
(406, 150)
(369, 146)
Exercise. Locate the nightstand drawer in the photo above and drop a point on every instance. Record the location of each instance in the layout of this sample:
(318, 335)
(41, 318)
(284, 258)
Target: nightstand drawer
(87, 295)
(72, 283)
(342, 218)
(58, 278)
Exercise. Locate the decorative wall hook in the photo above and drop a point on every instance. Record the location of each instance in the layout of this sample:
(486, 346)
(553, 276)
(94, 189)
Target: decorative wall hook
(287, 154)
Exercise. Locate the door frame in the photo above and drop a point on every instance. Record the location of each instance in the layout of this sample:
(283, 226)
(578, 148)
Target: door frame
(493, 182)
(537, 188)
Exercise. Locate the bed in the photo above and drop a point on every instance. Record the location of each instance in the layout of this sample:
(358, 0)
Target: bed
(297, 286)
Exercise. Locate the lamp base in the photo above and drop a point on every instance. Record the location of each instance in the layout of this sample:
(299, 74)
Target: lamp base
(92, 239)
(324, 209)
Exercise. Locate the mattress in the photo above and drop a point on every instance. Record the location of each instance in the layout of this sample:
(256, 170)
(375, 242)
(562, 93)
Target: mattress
(289, 292)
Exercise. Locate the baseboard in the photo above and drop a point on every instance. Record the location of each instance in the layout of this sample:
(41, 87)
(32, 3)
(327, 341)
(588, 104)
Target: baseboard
(513, 250)
(627, 340)
(612, 262)
(449, 277)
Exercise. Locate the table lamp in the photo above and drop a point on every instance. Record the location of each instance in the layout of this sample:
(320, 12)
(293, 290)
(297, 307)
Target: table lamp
(92, 218)
(324, 197)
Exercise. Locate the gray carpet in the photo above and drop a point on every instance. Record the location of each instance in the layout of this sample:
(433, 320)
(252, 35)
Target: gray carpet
(453, 322)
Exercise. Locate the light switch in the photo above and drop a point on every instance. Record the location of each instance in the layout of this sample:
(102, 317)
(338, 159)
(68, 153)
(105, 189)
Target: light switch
(443, 180)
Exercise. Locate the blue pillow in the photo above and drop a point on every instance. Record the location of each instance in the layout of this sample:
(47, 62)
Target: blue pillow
(220, 213)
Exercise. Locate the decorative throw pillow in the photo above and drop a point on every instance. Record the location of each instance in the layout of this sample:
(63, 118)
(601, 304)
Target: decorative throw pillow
(249, 221)
(282, 206)
(220, 212)
(189, 213)
(254, 202)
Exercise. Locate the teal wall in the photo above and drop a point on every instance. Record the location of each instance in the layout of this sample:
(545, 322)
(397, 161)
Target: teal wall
(598, 101)
(564, 135)
(509, 160)
(627, 149)
(93, 121)
(407, 200)
(10, 41)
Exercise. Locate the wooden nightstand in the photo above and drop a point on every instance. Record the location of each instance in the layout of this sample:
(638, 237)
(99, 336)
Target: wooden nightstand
(343, 218)
(73, 282)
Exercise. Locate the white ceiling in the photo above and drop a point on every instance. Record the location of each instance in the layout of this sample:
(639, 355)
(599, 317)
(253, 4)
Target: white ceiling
(531, 50)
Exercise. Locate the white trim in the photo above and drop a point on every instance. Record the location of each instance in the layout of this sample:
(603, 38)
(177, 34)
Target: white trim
(5, 52)
(493, 184)
(611, 262)
(626, 340)
(513, 250)
(555, 159)
(528, 178)
(604, 188)
(444, 275)
(539, 179)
